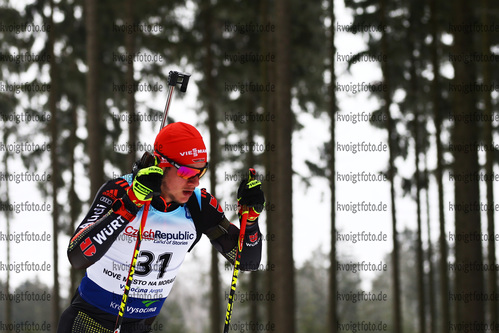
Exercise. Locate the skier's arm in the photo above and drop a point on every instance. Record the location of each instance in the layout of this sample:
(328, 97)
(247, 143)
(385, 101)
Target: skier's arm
(101, 225)
(115, 204)
(224, 235)
(226, 244)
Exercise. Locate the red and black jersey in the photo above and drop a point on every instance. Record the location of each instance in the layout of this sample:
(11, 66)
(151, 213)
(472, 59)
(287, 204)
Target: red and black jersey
(104, 224)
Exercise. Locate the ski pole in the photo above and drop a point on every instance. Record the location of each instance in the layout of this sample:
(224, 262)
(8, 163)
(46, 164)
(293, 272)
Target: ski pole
(174, 78)
(235, 273)
(131, 270)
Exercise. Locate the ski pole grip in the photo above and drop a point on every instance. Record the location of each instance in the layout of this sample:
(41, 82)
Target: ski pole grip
(252, 173)
(251, 176)
(175, 78)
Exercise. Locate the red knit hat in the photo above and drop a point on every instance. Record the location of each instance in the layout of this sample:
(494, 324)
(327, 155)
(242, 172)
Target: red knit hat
(181, 143)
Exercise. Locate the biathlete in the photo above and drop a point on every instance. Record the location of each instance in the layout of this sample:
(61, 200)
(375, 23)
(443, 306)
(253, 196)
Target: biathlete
(179, 213)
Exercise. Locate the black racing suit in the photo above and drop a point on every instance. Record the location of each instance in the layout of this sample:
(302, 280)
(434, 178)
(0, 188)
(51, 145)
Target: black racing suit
(104, 224)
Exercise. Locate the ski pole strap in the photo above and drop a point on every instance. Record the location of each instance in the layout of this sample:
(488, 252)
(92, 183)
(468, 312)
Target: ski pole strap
(243, 229)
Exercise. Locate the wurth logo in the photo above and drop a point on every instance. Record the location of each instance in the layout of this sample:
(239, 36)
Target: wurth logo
(87, 247)
(101, 237)
(253, 238)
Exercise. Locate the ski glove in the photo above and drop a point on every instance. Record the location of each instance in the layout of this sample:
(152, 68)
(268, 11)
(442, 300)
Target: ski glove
(250, 195)
(145, 184)
(145, 161)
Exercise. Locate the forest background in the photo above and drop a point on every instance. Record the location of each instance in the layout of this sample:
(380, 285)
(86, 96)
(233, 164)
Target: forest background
(371, 123)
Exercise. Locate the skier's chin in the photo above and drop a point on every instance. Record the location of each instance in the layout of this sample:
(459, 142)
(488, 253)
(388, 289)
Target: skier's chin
(183, 197)
(187, 194)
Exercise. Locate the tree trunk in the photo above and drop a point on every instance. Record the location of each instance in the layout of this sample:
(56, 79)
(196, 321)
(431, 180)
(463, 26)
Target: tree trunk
(282, 278)
(267, 75)
(130, 96)
(413, 96)
(333, 287)
(8, 302)
(75, 275)
(431, 274)
(94, 114)
(466, 194)
(397, 304)
(444, 275)
(489, 167)
(54, 133)
(419, 241)
(216, 303)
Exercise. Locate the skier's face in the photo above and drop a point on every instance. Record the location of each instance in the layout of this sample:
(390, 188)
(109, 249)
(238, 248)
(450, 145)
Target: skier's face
(177, 189)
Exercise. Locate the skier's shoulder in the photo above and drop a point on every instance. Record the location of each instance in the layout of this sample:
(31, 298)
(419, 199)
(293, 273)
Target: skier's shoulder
(118, 184)
(209, 202)
(205, 209)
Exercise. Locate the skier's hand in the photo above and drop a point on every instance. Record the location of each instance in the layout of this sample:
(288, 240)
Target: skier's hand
(145, 184)
(250, 197)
